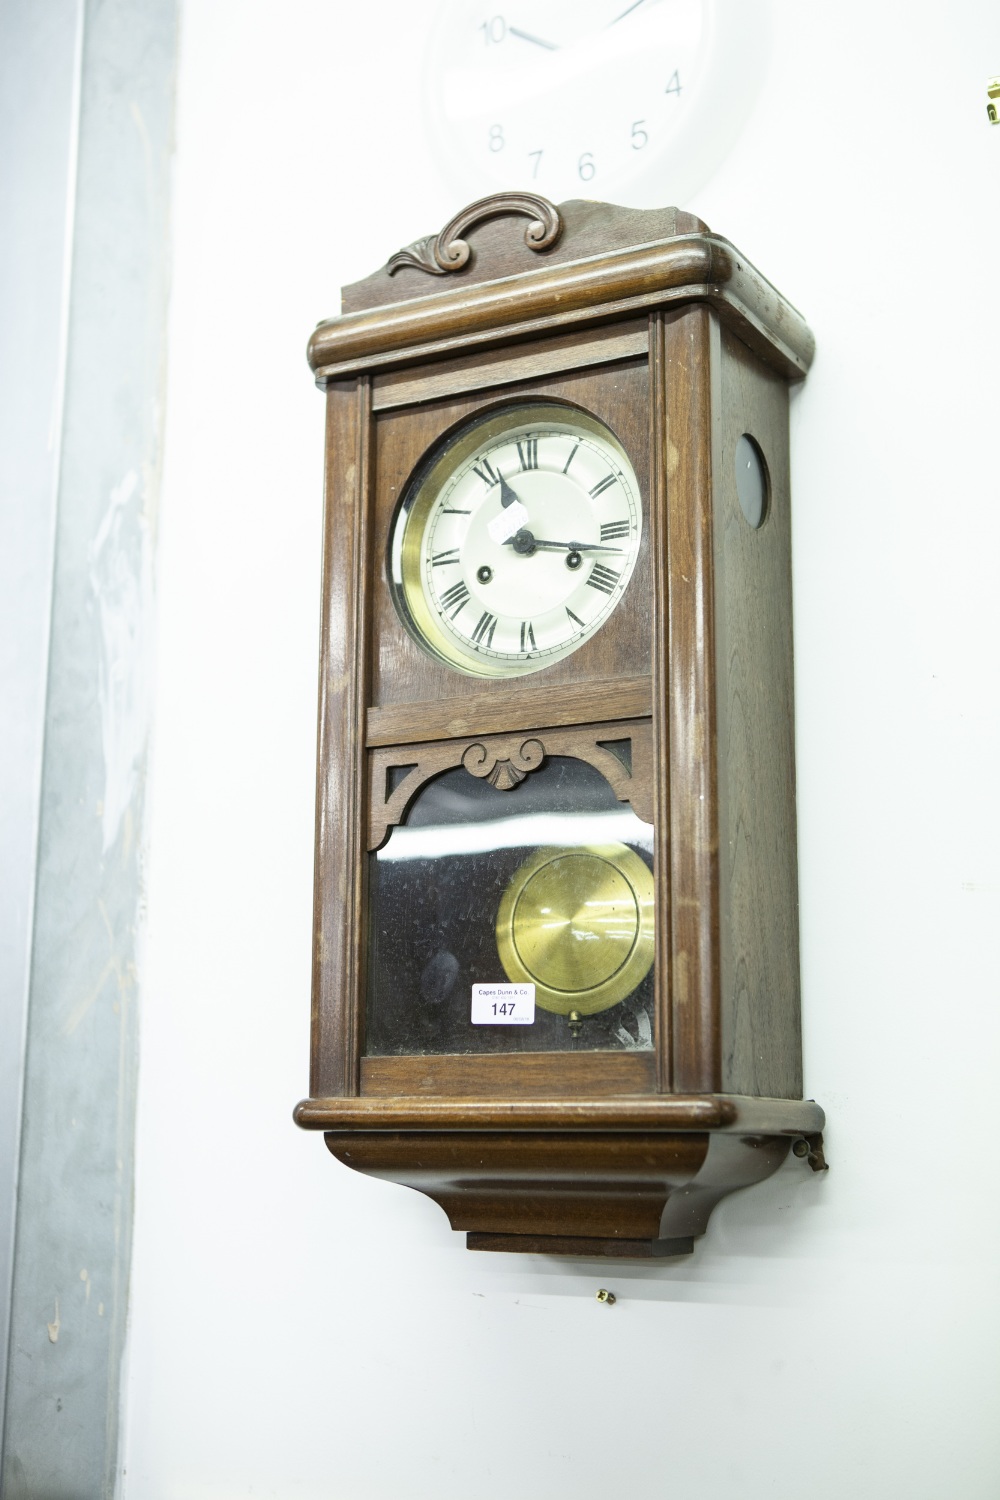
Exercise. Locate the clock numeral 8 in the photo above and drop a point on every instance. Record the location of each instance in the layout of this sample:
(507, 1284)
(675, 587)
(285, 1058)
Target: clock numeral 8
(497, 141)
(585, 166)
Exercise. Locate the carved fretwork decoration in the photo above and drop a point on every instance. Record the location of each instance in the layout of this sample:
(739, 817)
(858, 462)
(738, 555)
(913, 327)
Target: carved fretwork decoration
(437, 254)
(503, 771)
(397, 773)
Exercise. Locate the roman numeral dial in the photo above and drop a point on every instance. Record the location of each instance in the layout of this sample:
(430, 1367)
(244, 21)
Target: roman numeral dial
(516, 540)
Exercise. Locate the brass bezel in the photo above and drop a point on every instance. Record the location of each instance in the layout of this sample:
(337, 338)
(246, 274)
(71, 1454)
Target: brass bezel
(422, 492)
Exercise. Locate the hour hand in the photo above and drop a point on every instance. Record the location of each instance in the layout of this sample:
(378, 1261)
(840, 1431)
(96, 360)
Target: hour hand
(507, 496)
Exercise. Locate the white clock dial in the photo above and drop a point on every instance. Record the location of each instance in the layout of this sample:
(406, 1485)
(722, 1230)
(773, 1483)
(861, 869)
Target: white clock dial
(602, 95)
(518, 541)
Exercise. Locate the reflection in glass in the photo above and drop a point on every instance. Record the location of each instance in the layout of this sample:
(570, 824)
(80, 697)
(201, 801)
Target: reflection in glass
(548, 882)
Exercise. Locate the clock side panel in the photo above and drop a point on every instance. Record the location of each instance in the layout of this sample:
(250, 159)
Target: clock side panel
(338, 901)
(759, 950)
(402, 671)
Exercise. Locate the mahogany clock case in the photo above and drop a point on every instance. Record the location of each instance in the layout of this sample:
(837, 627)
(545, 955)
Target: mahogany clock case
(682, 701)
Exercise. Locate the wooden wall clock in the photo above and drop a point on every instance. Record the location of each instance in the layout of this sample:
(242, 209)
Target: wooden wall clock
(556, 957)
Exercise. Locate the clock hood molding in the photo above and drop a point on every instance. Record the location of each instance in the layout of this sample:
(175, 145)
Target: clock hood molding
(501, 293)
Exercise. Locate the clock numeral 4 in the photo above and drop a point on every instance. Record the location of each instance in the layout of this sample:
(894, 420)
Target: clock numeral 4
(674, 85)
(603, 578)
(485, 628)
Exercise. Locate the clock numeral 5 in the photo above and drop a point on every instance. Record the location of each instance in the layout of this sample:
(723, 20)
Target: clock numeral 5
(640, 137)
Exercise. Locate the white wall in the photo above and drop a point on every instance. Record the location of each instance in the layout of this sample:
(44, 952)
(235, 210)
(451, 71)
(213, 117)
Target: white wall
(301, 1331)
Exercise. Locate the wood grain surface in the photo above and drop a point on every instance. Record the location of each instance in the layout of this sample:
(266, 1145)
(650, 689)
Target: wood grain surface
(534, 706)
(535, 1075)
(686, 632)
(761, 1044)
(338, 906)
(404, 672)
(528, 361)
(669, 1112)
(689, 268)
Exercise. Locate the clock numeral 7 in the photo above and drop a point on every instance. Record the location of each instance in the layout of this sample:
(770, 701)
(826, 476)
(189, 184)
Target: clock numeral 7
(485, 628)
(538, 161)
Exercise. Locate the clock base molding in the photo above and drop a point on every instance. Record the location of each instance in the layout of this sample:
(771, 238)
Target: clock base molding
(581, 1245)
(612, 1192)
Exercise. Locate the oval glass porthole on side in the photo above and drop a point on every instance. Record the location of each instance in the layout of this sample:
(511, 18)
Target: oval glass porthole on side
(752, 488)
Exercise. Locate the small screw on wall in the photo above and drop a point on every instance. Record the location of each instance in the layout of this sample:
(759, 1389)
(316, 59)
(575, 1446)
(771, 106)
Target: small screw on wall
(605, 1296)
(993, 104)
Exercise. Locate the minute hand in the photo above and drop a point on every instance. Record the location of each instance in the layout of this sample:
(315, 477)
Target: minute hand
(569, 546)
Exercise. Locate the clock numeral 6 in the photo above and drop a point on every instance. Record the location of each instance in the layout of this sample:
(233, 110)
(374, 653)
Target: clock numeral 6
(585, 166)
(497, 141)
(639, 136)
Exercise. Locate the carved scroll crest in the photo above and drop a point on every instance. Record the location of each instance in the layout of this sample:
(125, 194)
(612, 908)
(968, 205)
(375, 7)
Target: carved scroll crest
(437, 254)
(622, 751)
(500, 769)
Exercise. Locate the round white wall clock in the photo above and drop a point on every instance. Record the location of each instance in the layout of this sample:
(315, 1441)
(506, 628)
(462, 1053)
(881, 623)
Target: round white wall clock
(638, 100)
